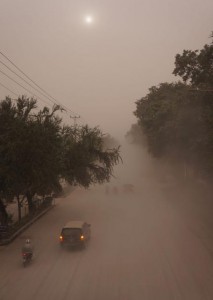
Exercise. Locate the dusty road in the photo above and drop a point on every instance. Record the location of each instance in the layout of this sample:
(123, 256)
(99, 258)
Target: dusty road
(142, 247)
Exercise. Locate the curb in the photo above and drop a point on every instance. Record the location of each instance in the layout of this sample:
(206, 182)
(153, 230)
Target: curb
(19, 231)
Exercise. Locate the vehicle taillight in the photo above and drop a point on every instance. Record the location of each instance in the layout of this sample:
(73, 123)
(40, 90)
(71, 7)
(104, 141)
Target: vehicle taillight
(61, 238)
(82, 237)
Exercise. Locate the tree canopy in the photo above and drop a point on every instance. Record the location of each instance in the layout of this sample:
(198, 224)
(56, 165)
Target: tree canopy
(177, 118)
(85, 161)
(196, 67)
(37, 151)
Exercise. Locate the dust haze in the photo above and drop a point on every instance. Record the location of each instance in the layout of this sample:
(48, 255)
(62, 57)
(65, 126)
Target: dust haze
(98, 71)
(152, 233)
(148, 241)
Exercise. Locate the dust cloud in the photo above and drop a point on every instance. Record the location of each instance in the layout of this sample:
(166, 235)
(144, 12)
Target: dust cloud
(139, 169)
(151, 239)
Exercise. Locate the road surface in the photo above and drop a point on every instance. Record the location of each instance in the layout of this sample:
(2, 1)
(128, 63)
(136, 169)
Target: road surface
(144, 246)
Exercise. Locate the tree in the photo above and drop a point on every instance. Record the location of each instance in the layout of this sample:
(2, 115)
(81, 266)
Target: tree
(174, 122)
(85, 161)
(3, 213)
(135, 135)
(177, 118)
(12, 134)
(157, 115)
(37, 151)
(28, 145)
(196, 67)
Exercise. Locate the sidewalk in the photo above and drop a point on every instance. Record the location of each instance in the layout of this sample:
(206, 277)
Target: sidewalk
(12, 209)
(25, 226)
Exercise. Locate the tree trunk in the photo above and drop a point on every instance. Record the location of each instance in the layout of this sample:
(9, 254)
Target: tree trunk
(3, 213)
(30, 202)
(19, 209)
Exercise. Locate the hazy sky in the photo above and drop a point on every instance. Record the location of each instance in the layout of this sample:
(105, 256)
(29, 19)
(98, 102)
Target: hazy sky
(100, 69)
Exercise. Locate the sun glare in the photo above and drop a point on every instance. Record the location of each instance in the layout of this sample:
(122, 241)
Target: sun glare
(88, 19)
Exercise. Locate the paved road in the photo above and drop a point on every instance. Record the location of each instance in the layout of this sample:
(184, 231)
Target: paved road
(143, 246)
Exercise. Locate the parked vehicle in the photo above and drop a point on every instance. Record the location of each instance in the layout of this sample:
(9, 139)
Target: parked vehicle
(75, 234)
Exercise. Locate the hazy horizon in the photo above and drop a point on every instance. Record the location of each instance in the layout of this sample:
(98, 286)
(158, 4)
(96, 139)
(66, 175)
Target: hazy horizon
(99, 69)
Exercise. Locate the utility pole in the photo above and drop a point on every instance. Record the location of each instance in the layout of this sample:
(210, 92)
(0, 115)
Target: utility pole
(75, 118)
(75, 125)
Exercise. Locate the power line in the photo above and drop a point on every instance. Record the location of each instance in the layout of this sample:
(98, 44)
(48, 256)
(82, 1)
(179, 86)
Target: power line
(14, 94)
(9, 89)
(23, 73)
(35, 82)
(26, 81)
(32, 93)
(23, 87)
(56, 101)
(75, 117)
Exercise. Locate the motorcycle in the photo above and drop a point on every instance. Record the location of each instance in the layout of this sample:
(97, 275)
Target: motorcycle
(27, 257)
